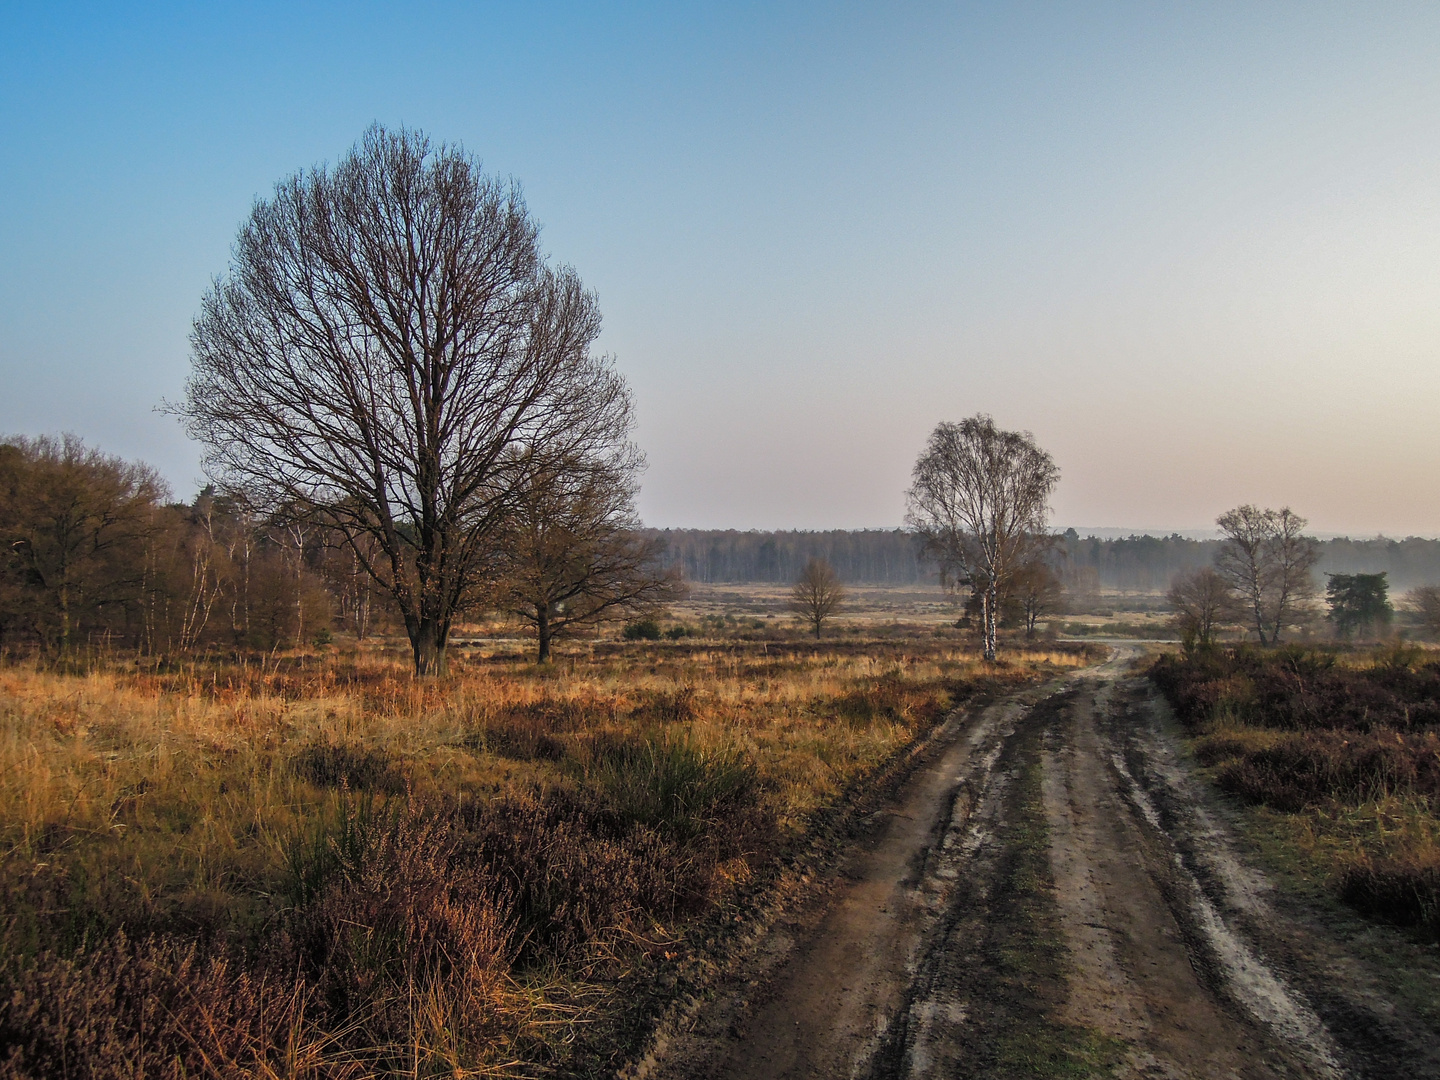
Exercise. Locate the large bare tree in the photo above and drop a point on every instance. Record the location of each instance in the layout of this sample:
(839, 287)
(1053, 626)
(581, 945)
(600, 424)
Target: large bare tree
(387, 348)
(817, 594)
(1267, 558)
(573, 552)
(978, 501)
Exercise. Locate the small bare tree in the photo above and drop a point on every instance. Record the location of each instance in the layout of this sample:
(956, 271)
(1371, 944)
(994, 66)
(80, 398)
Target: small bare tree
(1267, 558)
(388, 349)
(1036, 591)
(817, 594)
(979, 502)
(573, 555)
(1425, 601)
(1203, 601)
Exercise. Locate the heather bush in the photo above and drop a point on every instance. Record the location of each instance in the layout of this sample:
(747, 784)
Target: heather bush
(1405, 892)
(1314, 766)
(399, 913)
(1329, 736)
(157, 1008)
(580, 877)
(1301, 689)
(332, 766)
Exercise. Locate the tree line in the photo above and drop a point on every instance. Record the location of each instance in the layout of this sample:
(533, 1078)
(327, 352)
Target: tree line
(1263, 580)
(1086, 564)
(95, 553)
(859, 557)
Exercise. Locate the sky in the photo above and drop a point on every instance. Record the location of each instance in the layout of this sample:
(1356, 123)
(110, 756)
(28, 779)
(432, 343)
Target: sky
(1193, 248)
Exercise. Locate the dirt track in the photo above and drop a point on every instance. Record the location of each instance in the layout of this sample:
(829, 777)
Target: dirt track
(1050, 895)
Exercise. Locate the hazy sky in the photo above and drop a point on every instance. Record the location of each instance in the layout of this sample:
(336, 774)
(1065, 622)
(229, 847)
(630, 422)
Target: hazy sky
(1194, 248)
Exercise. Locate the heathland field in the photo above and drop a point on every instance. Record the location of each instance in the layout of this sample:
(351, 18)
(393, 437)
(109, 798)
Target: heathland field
(316, 864)
(1339, 752)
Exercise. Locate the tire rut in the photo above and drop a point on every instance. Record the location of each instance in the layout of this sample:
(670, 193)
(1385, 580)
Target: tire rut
(1052, 896)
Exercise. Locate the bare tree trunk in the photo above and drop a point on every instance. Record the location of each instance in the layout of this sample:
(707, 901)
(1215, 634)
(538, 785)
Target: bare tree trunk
(427, 640)
(64, 617)
(991, 616)
(296, 533)
(542, 629)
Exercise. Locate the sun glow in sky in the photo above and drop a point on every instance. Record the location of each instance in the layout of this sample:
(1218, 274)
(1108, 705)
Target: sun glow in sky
(1195, 249)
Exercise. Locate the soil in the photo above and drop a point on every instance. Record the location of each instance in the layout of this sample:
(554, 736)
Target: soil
(1053, 894)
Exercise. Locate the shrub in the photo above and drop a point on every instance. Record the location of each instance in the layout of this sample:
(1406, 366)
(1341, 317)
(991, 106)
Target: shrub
(401, 912)
(1403, 892)
(678, 706)
(579, 875)
(1312, 767)
(642, 630)
(519, 743)
(155, 1008)
(671, 784)
(330, 766)
(1300, 690)
(1331, 737)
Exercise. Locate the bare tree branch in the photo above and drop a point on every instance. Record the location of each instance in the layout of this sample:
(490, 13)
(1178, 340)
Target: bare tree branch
(386, 348)
(979, 503)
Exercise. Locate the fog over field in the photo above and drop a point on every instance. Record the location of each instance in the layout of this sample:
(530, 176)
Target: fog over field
(1195, 250)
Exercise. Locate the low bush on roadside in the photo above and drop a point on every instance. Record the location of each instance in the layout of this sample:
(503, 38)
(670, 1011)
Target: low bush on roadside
(1326, 734)
(1405, 892)
(1300, 770)
(1301, 689)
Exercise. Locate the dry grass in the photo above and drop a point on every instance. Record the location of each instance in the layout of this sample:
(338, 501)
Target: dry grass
(404, 876)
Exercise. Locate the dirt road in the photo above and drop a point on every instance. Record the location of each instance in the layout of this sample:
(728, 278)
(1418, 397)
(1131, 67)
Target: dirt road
(1052, 895)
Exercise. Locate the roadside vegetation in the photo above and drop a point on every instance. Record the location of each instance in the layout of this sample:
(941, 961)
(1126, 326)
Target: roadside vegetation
(1342, 746)
(318, 865)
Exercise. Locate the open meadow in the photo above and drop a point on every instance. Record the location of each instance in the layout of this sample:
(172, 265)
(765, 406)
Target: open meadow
(317, 864)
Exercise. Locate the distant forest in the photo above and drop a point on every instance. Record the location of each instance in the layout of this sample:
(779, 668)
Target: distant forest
(1141, 564)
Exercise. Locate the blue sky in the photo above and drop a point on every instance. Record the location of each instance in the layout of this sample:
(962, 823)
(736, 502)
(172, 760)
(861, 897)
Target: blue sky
(1194, 248)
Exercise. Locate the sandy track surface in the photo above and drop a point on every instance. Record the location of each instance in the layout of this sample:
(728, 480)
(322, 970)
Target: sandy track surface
(1050, 895)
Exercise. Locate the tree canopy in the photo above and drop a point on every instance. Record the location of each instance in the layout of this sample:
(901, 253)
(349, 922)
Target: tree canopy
(1359, 603)
(390, 349)
(979, 501)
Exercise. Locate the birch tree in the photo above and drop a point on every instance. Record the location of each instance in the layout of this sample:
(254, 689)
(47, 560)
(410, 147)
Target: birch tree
(979, 501)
